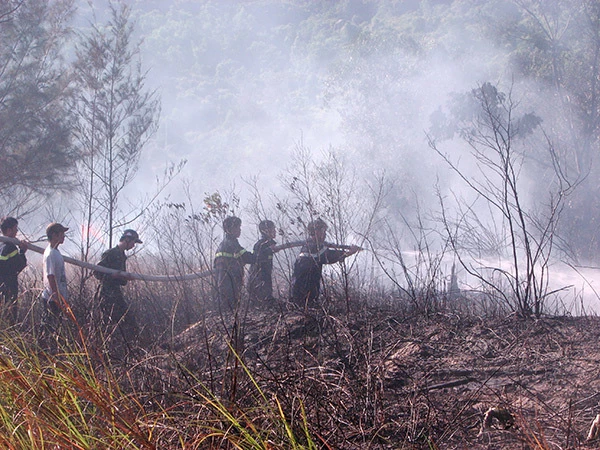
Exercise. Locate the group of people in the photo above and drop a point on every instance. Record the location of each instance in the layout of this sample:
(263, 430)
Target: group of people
(55, 293)
(306, 279)
(228, 270)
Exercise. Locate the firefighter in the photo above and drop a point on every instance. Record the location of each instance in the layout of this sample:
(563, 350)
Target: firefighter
(308, 268)
(260, 279)
(12, 262)
(229, 265)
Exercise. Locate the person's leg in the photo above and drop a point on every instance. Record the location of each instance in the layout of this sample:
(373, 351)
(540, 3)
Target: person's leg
(50, 327)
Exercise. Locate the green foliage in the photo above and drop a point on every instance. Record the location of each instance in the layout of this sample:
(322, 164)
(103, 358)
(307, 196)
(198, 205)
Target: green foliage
(55, 401)
(116, 115)
(556, 44)
(35, 121)
(486, 107)
(74, 400)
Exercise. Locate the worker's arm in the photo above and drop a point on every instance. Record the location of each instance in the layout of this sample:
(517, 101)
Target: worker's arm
(23, 246)
(54, 294)
(352, 249)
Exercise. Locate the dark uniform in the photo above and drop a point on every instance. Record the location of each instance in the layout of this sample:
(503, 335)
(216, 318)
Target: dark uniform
(308, 268)
(112, 301)
(260, 279)
(229, 271)
(12, 262)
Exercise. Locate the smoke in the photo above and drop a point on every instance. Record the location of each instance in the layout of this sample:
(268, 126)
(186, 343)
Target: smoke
(243, 82)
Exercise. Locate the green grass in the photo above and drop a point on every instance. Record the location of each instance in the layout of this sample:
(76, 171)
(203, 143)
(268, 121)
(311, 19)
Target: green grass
(73, 400)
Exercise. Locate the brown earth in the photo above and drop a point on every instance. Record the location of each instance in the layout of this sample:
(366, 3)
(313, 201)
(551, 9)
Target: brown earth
(377, 380)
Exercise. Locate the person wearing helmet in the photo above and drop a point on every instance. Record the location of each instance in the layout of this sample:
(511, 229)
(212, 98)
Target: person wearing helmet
(229, 262)
(260, 279)
(114, 307)
(308, 268)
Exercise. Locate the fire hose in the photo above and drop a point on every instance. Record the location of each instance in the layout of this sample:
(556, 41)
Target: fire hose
(128, 275)
(145, 277)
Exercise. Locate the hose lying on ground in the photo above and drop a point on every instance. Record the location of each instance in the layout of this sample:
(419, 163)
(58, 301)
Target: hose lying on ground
(128, 275)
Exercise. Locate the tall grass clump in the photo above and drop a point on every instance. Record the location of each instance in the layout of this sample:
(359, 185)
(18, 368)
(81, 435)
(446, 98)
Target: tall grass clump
(74, 399)
(257, 422)
(64, 401)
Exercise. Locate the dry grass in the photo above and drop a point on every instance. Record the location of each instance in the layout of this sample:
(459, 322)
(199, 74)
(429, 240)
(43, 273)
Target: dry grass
(369, 379)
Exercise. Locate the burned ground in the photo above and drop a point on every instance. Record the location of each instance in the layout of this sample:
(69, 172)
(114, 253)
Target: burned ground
(375, 380)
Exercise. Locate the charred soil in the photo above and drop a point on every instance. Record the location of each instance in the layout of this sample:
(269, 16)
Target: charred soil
(376, 380)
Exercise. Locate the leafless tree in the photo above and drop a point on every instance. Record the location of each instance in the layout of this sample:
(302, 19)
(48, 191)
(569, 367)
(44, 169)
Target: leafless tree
(330, 189)
(521, 229)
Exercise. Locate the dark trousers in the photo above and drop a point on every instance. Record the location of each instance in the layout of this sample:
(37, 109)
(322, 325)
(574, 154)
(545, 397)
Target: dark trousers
(50, 327)
(116, 312)
(8, 297)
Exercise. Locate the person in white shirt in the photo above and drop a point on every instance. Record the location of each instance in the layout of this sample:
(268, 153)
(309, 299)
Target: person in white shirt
(55, 292)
